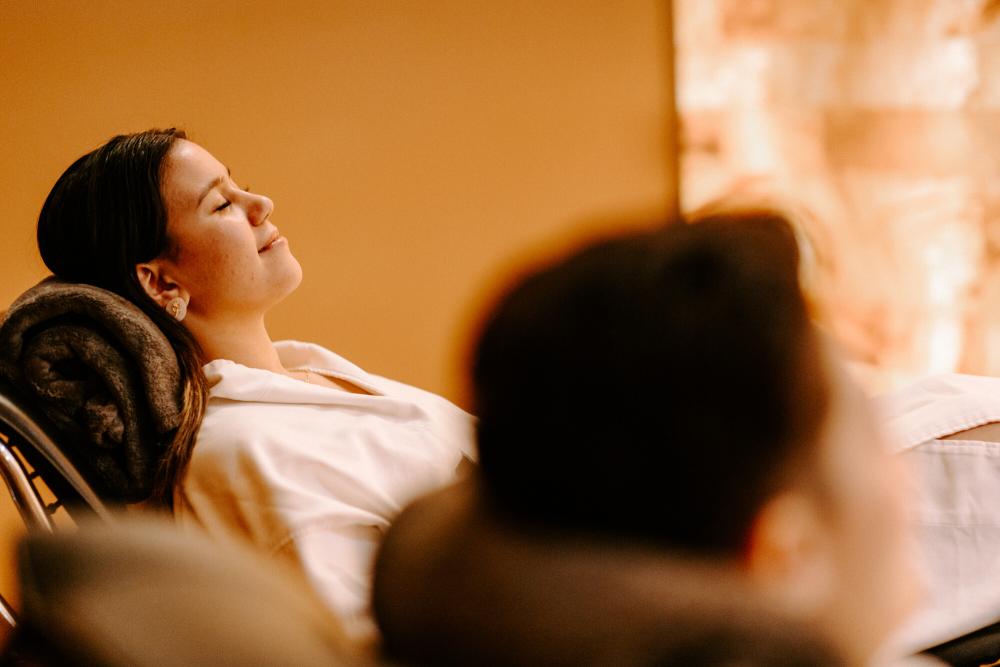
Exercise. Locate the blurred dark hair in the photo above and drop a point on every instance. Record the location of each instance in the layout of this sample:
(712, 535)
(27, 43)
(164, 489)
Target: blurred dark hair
(661, 385)
(103, 216)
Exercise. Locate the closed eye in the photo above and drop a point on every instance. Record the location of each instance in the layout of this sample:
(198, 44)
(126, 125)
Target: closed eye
(222, 206)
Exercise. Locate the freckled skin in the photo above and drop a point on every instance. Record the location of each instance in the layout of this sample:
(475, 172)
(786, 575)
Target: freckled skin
(215, 246)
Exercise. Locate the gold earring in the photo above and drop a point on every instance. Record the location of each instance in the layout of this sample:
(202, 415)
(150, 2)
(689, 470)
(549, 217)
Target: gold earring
(177, 308)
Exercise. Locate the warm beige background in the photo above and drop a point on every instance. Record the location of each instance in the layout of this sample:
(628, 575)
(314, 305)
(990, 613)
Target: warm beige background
(414, 148)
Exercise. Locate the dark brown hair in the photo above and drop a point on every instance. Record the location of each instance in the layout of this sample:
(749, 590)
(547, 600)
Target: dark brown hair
(660, 386)
(103, 216)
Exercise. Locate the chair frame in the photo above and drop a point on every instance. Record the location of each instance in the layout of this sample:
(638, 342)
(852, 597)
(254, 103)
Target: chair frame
(29, 431)
(26, 430)
(26, 498)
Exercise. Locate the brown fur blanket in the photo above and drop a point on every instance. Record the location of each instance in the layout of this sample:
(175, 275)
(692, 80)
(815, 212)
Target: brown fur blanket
(104, 374)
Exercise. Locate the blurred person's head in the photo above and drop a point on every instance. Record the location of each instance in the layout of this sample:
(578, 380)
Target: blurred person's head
(669, 388)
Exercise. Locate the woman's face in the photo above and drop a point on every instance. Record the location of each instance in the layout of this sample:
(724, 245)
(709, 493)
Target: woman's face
(225, 252)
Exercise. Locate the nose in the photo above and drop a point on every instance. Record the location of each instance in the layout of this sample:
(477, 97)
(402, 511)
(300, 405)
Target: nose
(259, 208)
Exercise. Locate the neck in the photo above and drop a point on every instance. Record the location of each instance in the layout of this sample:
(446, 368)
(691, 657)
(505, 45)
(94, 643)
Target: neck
(244, 341)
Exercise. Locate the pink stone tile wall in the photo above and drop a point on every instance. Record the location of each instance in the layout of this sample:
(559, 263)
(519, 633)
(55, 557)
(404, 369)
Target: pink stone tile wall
(878, 125)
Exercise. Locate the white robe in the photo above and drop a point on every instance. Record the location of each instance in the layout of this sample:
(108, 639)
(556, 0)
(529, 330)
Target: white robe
(315, 474)
(957, 508)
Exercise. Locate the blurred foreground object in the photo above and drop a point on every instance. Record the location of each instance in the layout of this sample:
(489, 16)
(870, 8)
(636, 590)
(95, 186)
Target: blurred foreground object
(143, 593)
(455, 586)
(668, 391)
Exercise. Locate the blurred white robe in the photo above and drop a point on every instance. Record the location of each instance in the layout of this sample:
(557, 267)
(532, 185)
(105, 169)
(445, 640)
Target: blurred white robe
(957, 493)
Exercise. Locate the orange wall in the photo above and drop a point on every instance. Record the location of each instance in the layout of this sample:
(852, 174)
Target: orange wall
(412, 147)
(409, 146)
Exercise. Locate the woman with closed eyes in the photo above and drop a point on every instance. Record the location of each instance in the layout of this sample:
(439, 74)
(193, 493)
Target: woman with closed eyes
(283, 443)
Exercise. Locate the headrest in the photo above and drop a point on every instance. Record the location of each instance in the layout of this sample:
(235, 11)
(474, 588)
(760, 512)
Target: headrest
(104, 374)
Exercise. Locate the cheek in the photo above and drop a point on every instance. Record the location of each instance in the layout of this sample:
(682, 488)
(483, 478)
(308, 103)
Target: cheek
(215, 262)
(899, 491)
(868, 481)
(877, 550)
(867, 505)
(873, 502)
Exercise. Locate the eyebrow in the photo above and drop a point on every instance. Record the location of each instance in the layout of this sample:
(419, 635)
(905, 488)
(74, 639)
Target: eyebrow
(216, 182)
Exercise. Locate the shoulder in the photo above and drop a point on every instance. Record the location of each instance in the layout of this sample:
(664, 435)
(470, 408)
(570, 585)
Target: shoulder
(247, 428)
(232, 436)
(358, 441)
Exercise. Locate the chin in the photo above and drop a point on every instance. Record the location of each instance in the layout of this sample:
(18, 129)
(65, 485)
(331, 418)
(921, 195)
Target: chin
(293, 276)
(284, 281)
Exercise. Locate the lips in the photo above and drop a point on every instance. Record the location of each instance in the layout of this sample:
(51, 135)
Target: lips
(270, 242)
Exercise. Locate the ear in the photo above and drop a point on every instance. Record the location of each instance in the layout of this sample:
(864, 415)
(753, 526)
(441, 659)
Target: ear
(790, 554)
(158, 284)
